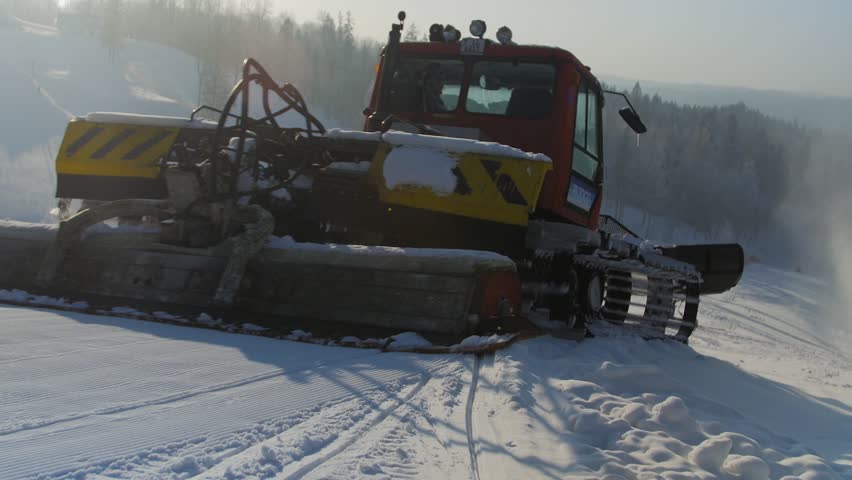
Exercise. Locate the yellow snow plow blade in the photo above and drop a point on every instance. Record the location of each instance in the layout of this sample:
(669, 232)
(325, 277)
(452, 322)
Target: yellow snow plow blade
(109, 157)
(487, 187)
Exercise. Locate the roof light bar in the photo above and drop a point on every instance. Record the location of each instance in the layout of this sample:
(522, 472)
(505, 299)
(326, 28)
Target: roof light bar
(504, 36)
(478, 28)
(436, 33)
(451, 34)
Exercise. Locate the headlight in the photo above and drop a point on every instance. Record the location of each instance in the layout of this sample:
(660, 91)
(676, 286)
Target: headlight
(436, 33)
(477, 28)
(451, 34)
(504, 35)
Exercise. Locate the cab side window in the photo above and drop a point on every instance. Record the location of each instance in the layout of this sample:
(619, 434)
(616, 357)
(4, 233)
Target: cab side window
(582, 188)
(586, 151)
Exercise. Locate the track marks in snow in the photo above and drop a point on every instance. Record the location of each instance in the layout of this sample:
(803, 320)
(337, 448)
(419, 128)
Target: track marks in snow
(197, 433)
(391, 432)
(164, 400)
(77, 351)
(52, 101)
(209, 398)
(35, 396)
(383, 414)
(423, 438)
(270, 448)
(468, 416)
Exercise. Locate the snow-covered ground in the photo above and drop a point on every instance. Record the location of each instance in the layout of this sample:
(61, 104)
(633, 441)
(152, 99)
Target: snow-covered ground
(760, 393)
(764, 390)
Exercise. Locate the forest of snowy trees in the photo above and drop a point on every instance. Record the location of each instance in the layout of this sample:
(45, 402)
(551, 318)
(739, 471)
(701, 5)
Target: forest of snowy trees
(725, 164)
(728, 172)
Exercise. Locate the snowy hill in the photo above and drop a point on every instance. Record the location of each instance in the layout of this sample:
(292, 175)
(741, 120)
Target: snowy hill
(48, 76)
(761, 394)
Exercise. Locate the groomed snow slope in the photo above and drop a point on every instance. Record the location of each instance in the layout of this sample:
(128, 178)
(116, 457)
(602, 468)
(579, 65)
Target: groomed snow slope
(47, 73)
(48, 76)
(759, 395)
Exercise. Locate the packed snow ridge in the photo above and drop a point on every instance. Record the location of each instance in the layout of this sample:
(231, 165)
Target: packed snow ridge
(288, 243)
(22, 297)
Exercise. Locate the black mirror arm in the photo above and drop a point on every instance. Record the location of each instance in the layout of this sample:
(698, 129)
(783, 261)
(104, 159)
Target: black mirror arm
(622, 95)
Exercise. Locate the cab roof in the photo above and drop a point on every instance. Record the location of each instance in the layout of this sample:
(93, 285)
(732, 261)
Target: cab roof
(498, 50)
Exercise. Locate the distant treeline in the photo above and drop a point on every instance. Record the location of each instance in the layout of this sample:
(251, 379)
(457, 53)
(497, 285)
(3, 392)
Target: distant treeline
(719, 169)
(730, 172)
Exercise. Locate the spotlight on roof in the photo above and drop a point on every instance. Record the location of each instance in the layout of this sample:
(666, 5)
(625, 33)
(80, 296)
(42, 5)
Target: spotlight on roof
(436, 33)
(451, 34)
(504, 35)
(477, 28)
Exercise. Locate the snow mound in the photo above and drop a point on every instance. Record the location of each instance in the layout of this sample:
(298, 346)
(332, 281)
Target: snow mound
(408, 341)
(644, 419)
(20, 296)
(207, 319)
(711, 453)
(251, 327)
(288, 243)
(129, 311)
(476, 342)
(339, 134)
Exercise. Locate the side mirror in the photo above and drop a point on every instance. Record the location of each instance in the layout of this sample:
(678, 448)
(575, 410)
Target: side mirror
(632, 119)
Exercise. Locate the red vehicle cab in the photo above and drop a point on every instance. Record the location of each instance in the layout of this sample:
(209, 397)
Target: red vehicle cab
(538, 99)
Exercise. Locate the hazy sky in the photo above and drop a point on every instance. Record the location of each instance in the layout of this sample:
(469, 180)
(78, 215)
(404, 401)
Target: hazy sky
(770, 44)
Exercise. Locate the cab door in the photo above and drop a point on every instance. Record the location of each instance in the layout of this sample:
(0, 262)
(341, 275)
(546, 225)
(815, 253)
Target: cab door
(585, 180)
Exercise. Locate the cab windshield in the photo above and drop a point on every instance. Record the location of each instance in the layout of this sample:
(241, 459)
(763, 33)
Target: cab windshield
(500, 87)
(426, 85)
(512, 89)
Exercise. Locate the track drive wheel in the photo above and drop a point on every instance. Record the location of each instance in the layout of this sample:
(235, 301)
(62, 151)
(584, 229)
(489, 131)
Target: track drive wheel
(582, 303)
(563, 308)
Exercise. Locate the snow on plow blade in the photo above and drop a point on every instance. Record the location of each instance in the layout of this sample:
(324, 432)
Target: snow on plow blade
(426, 290)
